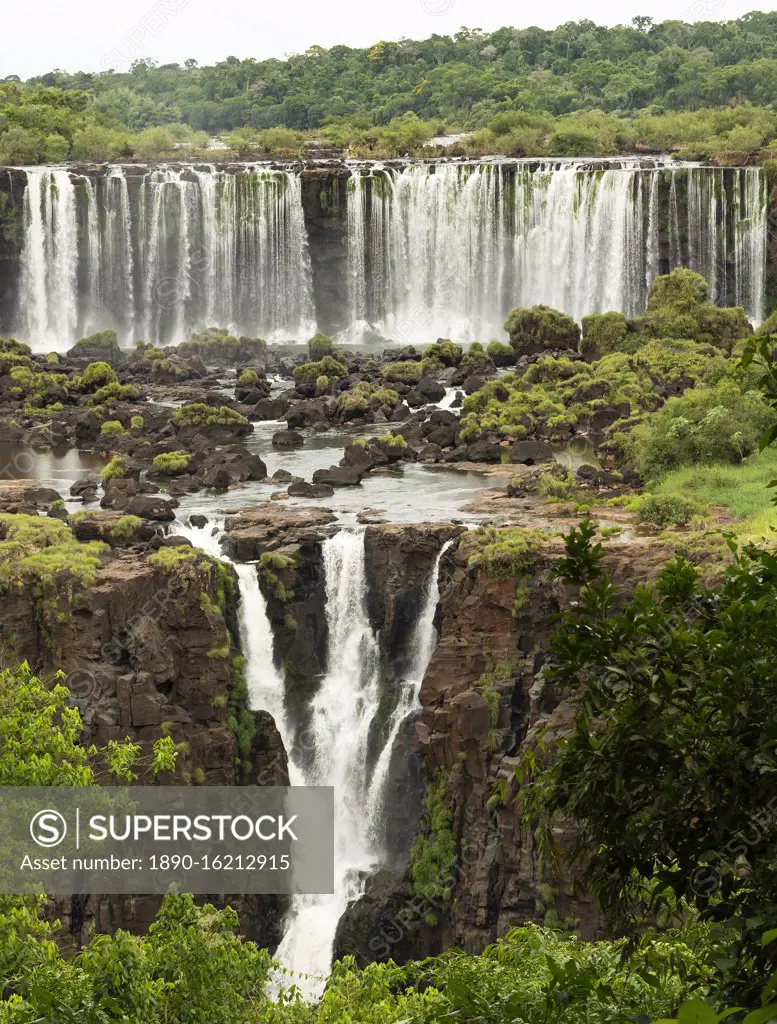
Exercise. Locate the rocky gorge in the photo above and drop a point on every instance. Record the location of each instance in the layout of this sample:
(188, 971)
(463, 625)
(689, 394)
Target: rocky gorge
(189, 585)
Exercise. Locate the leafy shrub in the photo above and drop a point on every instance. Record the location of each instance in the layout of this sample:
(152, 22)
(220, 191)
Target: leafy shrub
(706, 424)
(137, 423)
(248, 378)
(444, 352)
(677, 307)
(113, 469)
(503, 553)
(476, 359)
(666, 509)
(393, 440)
(329, 366)
(172, 463)
(112, 428)
(197, 414)
(97, 374)
(539, 328)
(602, 333)
(125, 528)
(115, 392)
(500, 354)
(406, 371)
(320, 345)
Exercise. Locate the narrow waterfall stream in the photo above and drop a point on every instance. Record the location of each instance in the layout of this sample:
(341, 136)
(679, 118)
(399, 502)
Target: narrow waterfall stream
(337, 740)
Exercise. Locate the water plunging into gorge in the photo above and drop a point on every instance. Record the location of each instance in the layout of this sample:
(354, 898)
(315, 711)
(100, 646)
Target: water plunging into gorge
(449, 253)
(334, 747)
(408, 253)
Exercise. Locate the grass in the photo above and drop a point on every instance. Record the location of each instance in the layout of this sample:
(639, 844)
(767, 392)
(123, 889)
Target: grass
(742, 489)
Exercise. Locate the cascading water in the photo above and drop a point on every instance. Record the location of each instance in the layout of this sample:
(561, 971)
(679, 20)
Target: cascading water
(342, 713)
(171, 253)
(337, 740)
(340, 717)
(447, 251)
(48, 305)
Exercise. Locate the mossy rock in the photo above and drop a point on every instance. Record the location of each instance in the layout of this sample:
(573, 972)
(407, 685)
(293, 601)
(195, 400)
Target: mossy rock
(602, 333)
(103, 345)
(540, 328)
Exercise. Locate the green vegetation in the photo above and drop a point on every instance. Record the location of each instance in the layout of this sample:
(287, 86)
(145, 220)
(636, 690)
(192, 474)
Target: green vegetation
(197, 414)
(500, 354)
(240, 721)
(248, 379)
(321, 345)
(126, 528)
(172, 463)
(115, 392)
(112, 428)
(365, 395)
(443, 353)
(113, 469)
(137, 423)
(677, 307)
(406, 371)
(540, 328)
(503, 553)
(706, 424)
(98, 374)
(602, 333)
(704, 88)
(433, 855)
(665, 767)
(270, 565)
(393, 440)
(36, 548)
(666, 509)
(740, 488)
(331, 367)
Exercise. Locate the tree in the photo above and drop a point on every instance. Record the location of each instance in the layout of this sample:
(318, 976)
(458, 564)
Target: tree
(668, 764)
(20, 146)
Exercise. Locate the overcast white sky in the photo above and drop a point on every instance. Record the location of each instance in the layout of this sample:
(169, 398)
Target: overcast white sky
(38, 35)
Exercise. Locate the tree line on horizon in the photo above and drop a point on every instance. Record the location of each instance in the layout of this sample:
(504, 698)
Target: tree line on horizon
(704, 90)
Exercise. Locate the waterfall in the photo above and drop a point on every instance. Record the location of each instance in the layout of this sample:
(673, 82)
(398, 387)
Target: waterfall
(181, 249)
(341, 715)
(48, 306)
(750, 241)
(447, 251)
(432, 250)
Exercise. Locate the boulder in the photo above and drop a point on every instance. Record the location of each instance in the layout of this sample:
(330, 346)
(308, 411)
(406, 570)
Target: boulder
(303, 489)
(150, 507)
(530, 452)
(287, 439)
(270, 408)
(473, 384)
(217, 477)
(484, 451)
(338, 476)
(430, 390)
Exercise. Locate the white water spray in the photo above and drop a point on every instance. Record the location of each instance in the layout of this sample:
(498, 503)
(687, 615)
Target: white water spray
(342, 712)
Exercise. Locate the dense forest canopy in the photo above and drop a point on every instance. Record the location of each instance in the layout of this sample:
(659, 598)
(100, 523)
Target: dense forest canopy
(579, 87)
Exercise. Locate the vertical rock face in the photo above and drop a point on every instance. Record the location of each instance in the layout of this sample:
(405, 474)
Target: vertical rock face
(483, 703)
(323, 206)
(12, 185)
(147, 649)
